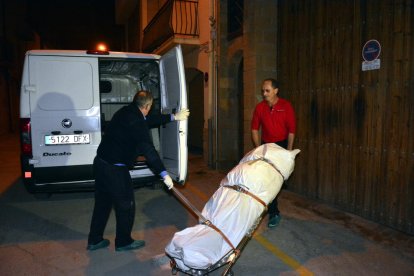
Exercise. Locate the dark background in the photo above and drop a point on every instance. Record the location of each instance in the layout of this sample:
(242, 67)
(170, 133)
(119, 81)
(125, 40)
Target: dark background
(61, 24)
(75, 24)
(48, 24)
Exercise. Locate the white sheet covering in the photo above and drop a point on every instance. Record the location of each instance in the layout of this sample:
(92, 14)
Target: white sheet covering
(234, 213)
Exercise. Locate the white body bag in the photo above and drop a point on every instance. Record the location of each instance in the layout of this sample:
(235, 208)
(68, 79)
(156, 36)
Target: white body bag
(261, 172)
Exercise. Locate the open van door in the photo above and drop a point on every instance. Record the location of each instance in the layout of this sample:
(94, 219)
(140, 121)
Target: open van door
(174, 98)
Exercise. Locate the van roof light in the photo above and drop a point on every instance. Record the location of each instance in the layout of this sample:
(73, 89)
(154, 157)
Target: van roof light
(97, 52)
(101, 49)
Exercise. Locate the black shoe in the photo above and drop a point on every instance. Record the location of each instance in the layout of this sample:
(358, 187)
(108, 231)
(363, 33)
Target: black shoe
(274, 221)
(102, 244)
(132, 246)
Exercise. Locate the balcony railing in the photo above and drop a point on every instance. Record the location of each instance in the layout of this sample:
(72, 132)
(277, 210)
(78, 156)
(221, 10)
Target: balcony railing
(176, 19)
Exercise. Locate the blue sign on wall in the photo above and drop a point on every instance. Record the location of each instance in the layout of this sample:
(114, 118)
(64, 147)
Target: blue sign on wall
(371, 50)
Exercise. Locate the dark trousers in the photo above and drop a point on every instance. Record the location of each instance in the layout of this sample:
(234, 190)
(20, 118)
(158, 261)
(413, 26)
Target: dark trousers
(273, 209)
(113, 189)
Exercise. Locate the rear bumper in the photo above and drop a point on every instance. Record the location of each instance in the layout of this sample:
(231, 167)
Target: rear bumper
(68, 178)
(55, 179)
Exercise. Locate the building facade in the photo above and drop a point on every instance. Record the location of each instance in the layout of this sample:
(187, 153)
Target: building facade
(355, 119)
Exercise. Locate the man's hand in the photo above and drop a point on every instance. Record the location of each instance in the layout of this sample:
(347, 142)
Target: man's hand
(168, 181)
(182, 115)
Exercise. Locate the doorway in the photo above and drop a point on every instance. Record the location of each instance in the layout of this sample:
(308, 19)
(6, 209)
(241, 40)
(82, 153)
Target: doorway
(195, 86)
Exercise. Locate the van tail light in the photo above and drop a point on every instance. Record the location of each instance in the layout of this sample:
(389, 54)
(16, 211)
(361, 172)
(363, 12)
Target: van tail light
(25, 137)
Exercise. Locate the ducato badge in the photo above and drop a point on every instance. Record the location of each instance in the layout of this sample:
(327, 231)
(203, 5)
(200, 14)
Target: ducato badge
(66, 123)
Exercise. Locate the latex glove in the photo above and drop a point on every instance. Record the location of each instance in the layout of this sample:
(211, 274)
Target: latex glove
(168, 181)
(182, 114)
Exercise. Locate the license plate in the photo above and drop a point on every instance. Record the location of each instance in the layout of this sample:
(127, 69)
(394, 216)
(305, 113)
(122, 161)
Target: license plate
(67, 139)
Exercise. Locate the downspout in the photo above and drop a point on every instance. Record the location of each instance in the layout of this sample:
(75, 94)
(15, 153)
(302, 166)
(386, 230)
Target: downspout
(215, 87)
(214, 79)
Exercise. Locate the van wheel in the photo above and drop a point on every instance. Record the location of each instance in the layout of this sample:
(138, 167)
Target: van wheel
(42, 196)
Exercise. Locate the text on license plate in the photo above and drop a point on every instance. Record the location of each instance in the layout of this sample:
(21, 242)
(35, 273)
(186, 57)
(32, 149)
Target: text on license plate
(67, 139)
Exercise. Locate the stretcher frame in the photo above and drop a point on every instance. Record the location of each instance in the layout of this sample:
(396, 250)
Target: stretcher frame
(230, 258)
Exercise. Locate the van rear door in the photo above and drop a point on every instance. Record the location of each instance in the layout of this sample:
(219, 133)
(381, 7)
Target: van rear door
(64, 106)
(174, 98)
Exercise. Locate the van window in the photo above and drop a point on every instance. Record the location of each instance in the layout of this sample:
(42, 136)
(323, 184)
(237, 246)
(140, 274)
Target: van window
(70, 78)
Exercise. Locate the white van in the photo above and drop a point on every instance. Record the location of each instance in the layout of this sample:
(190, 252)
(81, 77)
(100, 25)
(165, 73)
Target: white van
(67, 98)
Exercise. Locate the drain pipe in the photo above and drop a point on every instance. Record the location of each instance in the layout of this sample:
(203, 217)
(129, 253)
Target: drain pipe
(216, 111)
(214, 79)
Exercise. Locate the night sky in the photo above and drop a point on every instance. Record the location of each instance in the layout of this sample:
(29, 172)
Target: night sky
(75, 24)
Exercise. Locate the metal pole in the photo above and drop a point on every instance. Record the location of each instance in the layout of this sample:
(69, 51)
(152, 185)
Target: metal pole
(215, 64)
(182, 198)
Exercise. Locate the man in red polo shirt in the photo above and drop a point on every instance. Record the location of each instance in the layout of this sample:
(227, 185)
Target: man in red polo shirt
(276, 117)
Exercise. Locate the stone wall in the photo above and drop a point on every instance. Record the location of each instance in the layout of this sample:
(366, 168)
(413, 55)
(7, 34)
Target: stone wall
(256, 49)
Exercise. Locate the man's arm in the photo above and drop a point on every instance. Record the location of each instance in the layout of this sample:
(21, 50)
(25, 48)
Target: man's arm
(157, 120)
(291, 138)
(255, 137)
(154, 121)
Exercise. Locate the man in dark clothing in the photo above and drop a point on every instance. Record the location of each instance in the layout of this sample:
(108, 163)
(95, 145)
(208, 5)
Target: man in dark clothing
(126, 137)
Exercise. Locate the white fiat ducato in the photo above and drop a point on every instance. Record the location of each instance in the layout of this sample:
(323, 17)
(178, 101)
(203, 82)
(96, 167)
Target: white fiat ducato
(67, 98)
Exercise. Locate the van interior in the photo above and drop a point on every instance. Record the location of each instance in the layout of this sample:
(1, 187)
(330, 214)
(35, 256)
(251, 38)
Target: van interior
(119, 81)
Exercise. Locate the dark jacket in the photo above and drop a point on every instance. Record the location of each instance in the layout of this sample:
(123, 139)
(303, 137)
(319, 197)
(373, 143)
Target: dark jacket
(127, 136)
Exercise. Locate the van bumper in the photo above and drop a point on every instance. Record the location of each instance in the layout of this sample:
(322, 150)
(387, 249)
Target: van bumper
(55, 179)
(68, 178)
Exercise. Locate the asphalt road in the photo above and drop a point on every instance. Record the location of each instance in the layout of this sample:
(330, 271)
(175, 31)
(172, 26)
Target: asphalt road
(48, 236)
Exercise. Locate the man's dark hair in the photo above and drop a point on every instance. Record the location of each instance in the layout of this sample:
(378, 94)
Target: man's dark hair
(275, 83)
(142, 98)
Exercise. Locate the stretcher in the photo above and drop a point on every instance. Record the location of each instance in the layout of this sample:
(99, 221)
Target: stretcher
(229, 259)
(230, 217)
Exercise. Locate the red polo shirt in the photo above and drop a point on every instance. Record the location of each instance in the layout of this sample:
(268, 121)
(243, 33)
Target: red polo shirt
(276, 122)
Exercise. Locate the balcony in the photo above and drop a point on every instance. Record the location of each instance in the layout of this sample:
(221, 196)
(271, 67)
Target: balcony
(175, 23)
